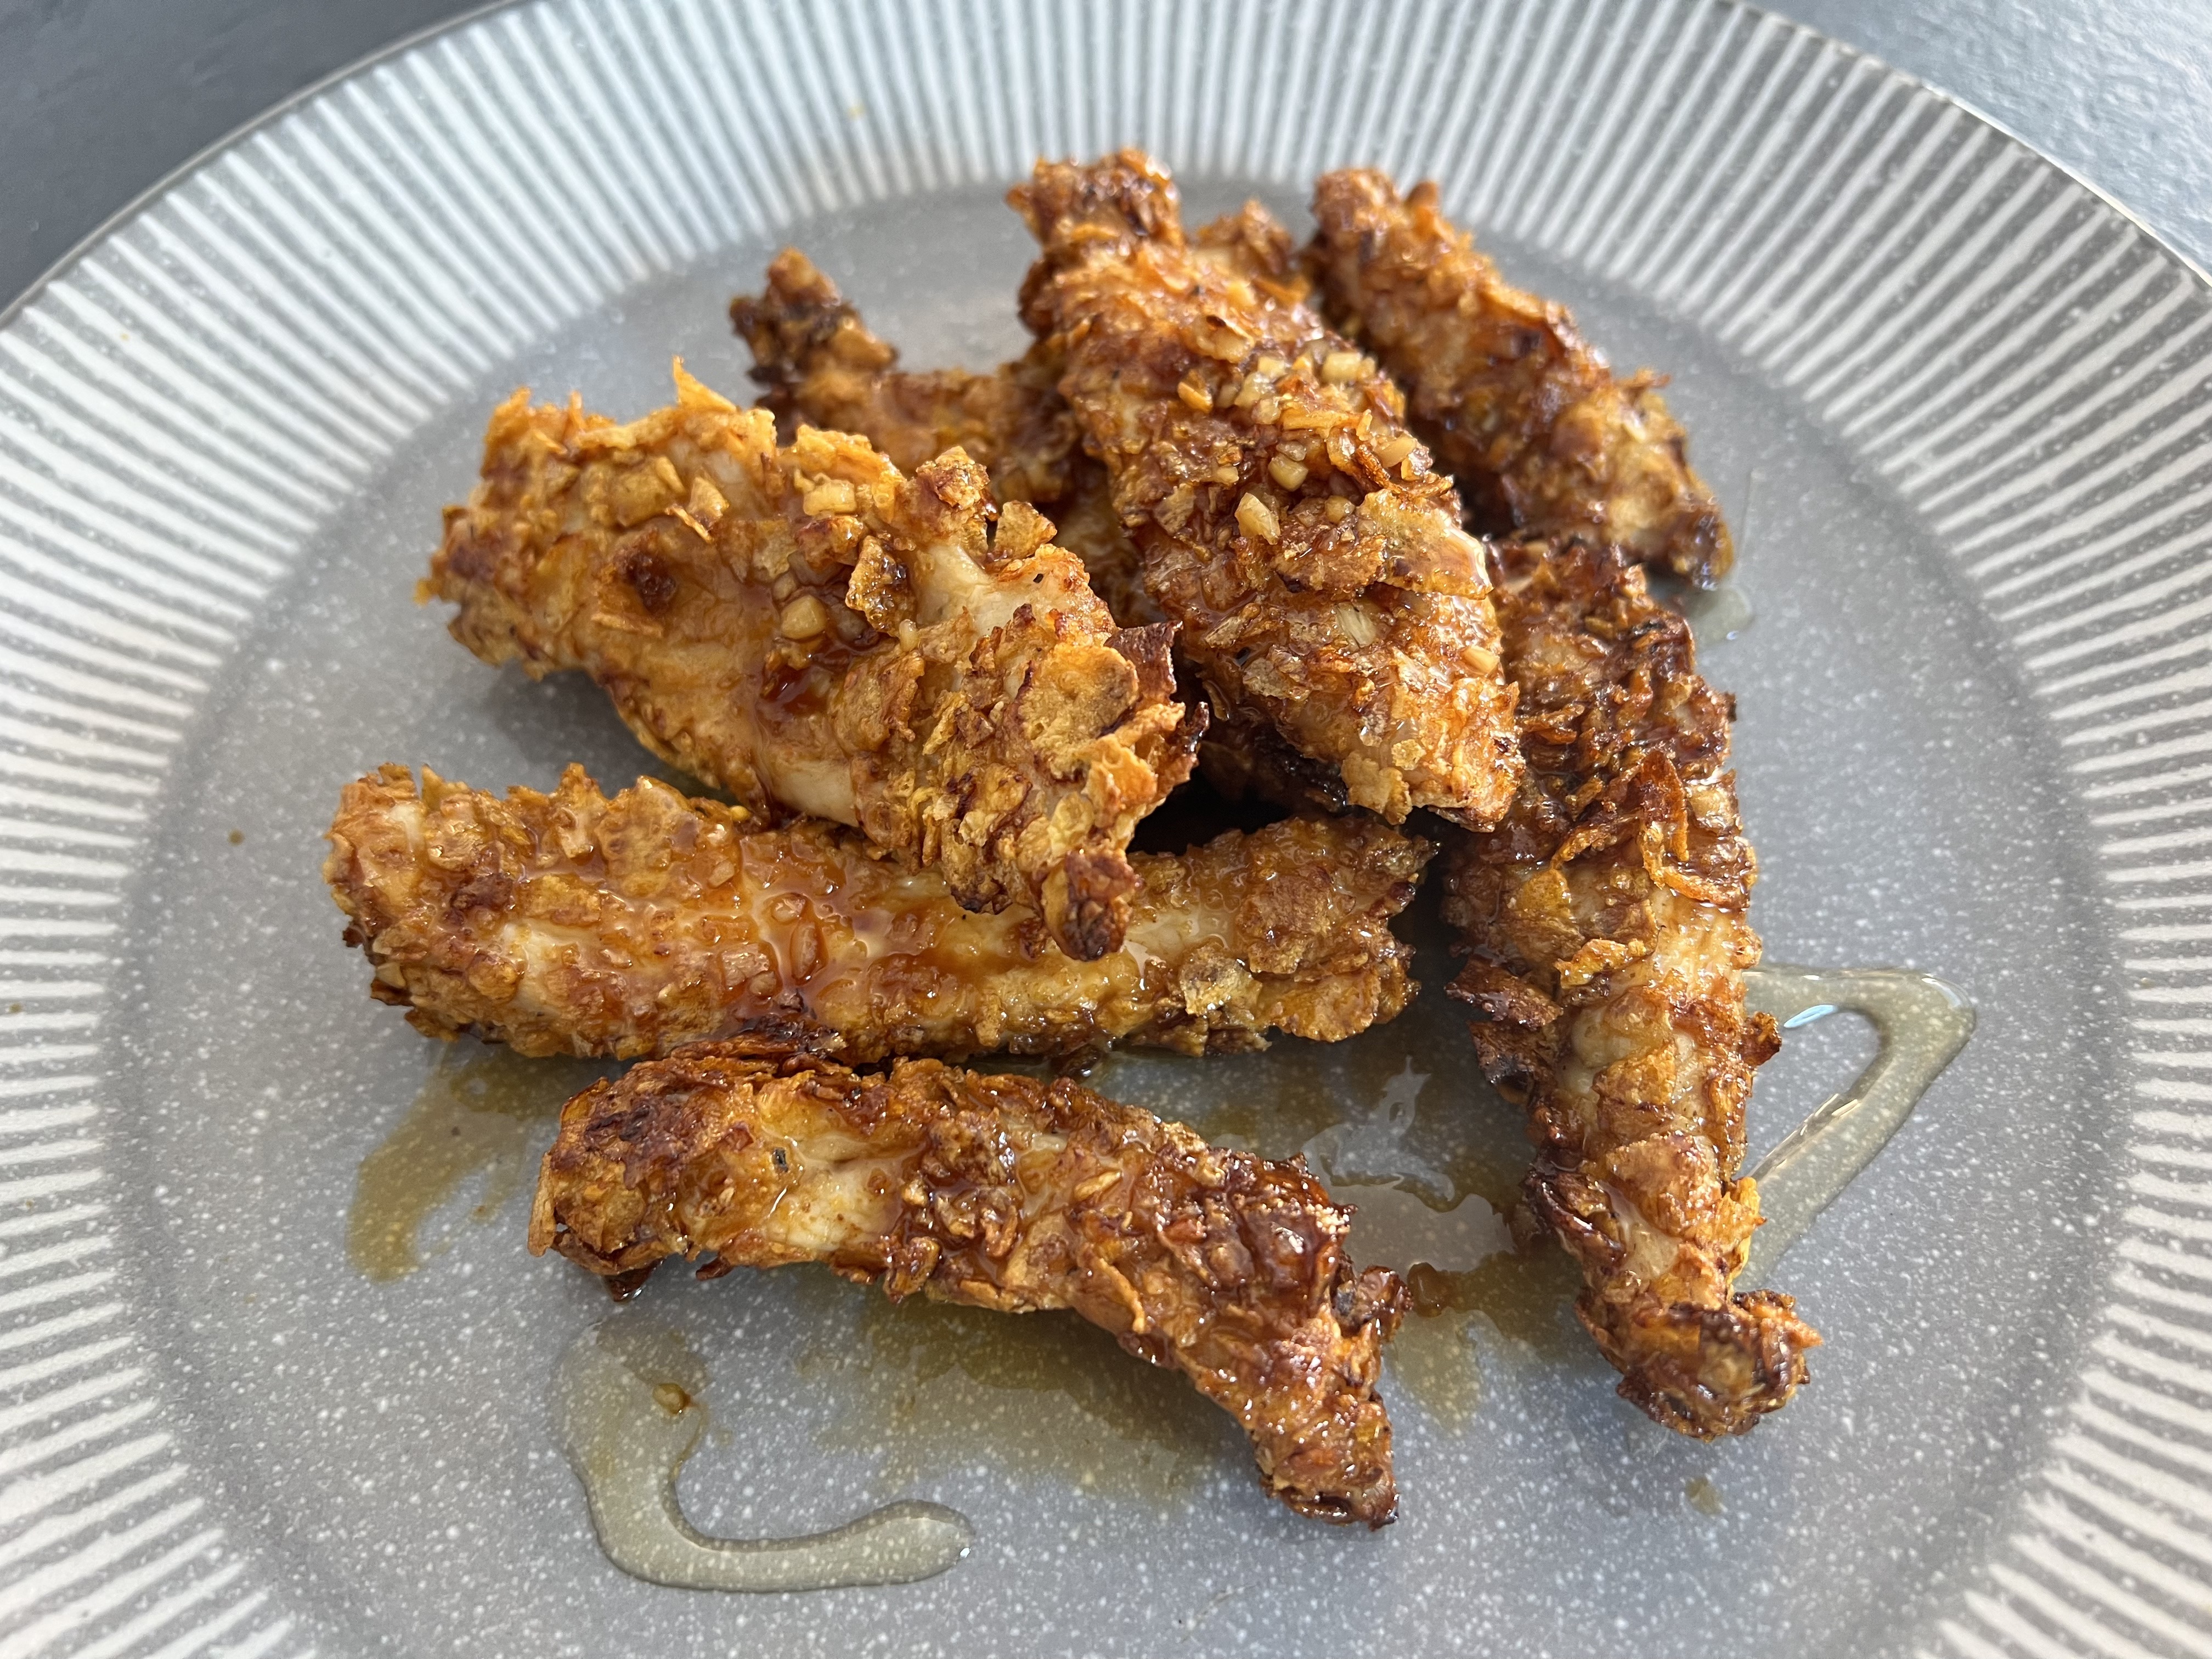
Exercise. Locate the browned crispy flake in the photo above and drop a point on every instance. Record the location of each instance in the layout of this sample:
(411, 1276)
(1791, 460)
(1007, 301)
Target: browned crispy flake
(573, 924)
(1604, 917)
(1527, 416)
(820, 365)
(815, 632)
(1006, 1193)
(1285, 516)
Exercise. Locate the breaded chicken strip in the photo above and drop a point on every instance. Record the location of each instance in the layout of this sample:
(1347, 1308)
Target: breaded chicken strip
(1605, 917)
(815, 633)
(1253, 243)
(572, 924)
(1285, 518)
(820, 364)
(1524, 415)
(1004, 1192)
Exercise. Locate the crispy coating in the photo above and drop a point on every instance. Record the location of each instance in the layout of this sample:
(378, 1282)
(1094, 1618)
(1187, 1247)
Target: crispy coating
(1529, 419)
(573, 924)
(815, 633)
(1285, 516)
(1004, 1193)
(1255, 244)
(1606, 922)
(820, 364)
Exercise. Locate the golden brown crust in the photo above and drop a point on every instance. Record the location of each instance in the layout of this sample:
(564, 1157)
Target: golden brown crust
(821, 364)
(1527, 417)
(1284, 517)
(814, 633)
(1253, 243)
(1004, 1193)
(571, 924)
(1606, 921)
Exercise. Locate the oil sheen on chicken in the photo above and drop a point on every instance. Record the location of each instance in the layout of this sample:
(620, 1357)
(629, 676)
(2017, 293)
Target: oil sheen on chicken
(572, 924)
(1605, 921)
(815, 633)
(1284, 514)
(1006, 1193)
(1519, 409)
(821, 364)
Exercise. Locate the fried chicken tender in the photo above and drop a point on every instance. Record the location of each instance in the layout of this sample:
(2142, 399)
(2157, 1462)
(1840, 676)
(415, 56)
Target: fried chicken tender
(1004, 1193)
(1284, 515)
(571, 924)
(1605, 917)
(820, 364)
(1523, 414)
(815, 633)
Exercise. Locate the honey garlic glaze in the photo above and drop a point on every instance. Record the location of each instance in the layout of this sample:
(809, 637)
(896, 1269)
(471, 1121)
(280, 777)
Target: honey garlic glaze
(1922, 1023)
(629, 1408)
(478, 1114)
(1432, 1178)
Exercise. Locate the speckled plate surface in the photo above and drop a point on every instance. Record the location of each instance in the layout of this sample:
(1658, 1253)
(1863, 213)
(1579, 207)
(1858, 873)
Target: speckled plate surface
(275, 1370)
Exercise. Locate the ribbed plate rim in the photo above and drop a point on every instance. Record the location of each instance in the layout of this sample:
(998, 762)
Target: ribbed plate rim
(116, 223)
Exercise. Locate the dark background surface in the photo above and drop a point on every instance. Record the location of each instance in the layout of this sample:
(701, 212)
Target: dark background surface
(99, 99)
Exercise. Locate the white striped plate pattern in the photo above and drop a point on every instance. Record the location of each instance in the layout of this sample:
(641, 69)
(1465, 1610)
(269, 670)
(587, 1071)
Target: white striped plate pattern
(184, 401)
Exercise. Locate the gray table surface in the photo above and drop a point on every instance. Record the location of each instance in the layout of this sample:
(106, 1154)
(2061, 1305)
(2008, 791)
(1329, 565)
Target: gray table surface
(99, 99)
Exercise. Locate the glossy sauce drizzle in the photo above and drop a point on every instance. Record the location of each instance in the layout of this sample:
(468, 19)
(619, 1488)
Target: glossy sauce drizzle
(1922, 1023)
(1429, 1166)
(474, 1115)
(931, 1390)
(935, 1390)
(628, 1409)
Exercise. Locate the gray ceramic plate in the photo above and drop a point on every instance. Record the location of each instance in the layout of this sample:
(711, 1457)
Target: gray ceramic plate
(276, 1369)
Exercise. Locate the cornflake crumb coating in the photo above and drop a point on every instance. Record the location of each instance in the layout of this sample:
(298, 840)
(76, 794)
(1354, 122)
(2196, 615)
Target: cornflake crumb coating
(815, 633)
(1606, 924)
(1524, 415)
(1286, 517)
(820, 364)
(572, 924)
(1006, 1193)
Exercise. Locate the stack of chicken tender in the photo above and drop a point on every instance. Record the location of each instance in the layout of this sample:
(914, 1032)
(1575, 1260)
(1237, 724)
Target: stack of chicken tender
(1352, 531)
